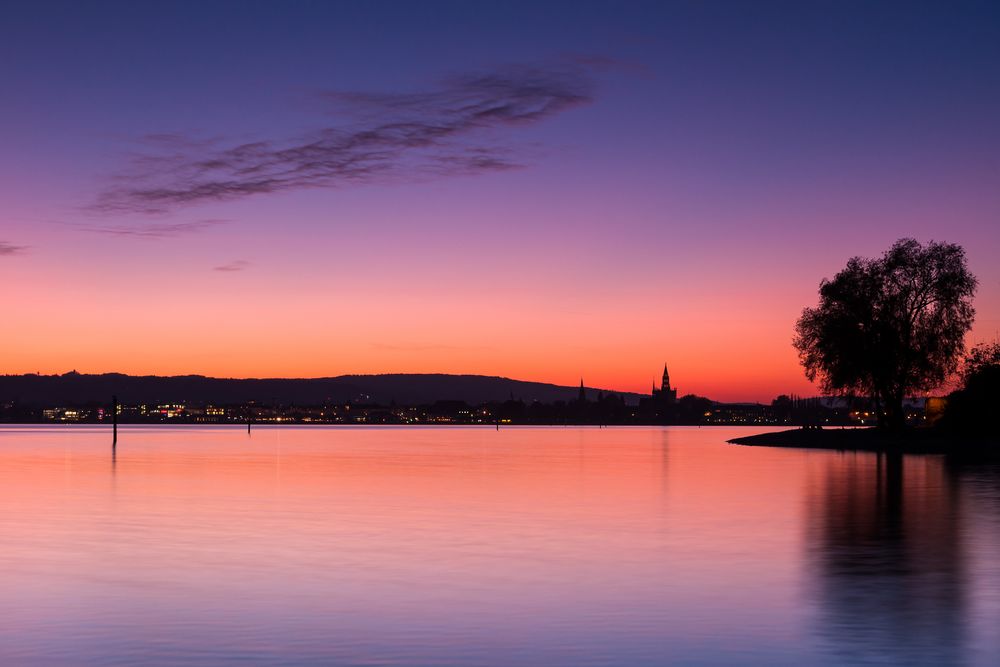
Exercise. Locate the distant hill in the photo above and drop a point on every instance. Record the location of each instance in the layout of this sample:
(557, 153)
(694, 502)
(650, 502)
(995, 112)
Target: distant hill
(405, 389)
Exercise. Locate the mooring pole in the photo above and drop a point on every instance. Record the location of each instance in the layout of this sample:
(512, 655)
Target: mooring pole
(248, 422)
(114, 420)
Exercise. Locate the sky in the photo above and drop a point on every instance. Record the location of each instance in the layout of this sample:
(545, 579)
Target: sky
(540, 190)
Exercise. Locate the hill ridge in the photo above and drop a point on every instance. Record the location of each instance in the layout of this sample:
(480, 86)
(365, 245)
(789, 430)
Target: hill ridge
(409, 388)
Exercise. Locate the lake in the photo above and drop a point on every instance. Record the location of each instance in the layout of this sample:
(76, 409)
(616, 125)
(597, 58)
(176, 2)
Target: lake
(471, 546)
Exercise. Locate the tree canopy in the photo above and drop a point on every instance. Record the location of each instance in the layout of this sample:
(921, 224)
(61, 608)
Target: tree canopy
(983, 358)
(891, 326)
(971, 409)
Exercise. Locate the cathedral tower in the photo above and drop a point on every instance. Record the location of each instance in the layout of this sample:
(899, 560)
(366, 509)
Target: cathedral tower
(665, 393)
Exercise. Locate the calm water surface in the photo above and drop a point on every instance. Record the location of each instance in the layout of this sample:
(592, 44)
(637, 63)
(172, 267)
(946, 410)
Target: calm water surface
(467, 546)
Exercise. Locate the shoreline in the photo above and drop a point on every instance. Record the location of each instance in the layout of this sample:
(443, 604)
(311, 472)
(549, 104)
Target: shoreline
(915, 441)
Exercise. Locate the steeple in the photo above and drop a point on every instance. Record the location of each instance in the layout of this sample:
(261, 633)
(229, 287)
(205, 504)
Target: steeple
(665, 395)
(583, 394)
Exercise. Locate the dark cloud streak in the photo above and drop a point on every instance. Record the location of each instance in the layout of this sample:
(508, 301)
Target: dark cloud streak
(447, 131)
(156, 231)
(231, 267)
(8, 249)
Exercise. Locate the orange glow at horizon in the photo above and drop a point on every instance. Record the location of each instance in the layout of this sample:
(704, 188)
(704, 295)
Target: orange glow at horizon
(243, 331)
(734, 345)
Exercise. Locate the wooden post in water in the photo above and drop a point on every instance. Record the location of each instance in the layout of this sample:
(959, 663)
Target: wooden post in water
(114, 421)
(248, 421)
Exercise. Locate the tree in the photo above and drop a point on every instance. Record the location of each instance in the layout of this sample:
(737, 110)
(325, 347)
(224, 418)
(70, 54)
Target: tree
(889, 327)
(971, 409)
(983, 358)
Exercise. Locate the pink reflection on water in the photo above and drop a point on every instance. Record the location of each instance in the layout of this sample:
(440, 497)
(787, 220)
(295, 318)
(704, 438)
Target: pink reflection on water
(410, 546)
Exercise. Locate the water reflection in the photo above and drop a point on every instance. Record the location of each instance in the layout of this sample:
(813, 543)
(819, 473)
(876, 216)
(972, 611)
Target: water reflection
(887, 546)
(527, 546)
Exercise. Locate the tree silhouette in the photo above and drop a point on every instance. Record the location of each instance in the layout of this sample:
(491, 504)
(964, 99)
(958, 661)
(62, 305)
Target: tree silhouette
(971, 409)
(983, 358)
(890, 326)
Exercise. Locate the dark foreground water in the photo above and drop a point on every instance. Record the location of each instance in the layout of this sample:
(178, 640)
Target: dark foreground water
(467, 546)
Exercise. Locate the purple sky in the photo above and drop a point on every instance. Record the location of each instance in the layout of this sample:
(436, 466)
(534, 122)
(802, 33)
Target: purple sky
(538, 190)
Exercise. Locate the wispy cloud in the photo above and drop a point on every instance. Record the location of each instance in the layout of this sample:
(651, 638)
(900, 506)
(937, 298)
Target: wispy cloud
(156, 230)
(236, 265)
(7, 249)
(423, 347)
(449, 130)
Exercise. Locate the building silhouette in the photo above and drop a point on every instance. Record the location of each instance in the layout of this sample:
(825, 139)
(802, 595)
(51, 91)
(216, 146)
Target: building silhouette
(665, 394)
(661, 406)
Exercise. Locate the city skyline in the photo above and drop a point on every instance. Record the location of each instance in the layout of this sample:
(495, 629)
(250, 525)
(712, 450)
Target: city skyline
(253, 190)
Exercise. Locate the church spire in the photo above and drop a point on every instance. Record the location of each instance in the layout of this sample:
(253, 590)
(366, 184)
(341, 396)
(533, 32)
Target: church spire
(583, 394)
(666, 378)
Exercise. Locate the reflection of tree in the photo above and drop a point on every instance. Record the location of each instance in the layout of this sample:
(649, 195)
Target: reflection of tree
(888, 560)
